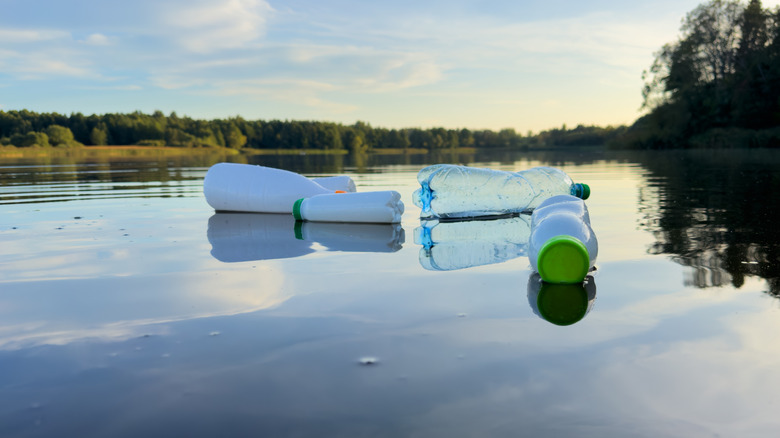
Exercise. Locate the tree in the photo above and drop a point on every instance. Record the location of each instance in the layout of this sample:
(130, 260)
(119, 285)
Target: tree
(60, 135)
(721, 77)
(234, 138)
(99, 134)
(30, 139)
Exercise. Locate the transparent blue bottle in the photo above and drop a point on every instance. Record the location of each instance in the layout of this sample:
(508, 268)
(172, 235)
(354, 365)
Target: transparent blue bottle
(451, 191)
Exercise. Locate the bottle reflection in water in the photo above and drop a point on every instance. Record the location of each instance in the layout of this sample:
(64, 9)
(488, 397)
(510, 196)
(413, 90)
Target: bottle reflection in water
(561, 304)
(241, 237)
(448, 246)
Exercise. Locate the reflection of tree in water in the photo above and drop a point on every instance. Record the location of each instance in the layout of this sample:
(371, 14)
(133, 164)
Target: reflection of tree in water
(716, 212)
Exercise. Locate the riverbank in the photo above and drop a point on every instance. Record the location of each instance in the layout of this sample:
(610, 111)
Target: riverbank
(151, 151)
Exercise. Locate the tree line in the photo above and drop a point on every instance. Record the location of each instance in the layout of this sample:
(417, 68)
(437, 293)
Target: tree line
(718, 85)
(29, 129)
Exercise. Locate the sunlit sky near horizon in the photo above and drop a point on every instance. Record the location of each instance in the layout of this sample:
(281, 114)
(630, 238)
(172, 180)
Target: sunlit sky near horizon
(526, 65)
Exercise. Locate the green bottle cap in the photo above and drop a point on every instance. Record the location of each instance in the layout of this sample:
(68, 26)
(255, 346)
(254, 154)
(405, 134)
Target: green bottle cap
(581, 190)
(297, 209)
(563, 260)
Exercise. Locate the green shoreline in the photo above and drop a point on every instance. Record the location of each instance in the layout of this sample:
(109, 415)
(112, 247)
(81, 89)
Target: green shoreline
(131, 151)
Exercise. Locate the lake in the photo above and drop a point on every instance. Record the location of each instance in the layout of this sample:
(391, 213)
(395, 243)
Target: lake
(129, 308)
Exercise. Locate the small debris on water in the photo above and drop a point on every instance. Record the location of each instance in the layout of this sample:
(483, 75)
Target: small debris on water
(368, 361)
(215, 333)
(462, 315)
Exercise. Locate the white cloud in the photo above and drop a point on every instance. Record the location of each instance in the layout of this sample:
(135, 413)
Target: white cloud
(39, 65)
(30, 35)
(204, 26)
(97, 39)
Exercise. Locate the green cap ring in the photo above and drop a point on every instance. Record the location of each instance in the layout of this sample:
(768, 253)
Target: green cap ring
(563, 260)
(297, 209)
(581, 190)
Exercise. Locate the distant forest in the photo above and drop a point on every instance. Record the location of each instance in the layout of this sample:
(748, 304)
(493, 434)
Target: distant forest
(718, 86)
(29, 129)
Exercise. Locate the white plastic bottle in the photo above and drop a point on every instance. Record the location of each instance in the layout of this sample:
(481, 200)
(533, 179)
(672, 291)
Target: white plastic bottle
(339, 183)
(450, 191)
(259, 189)
(562, 247)
(366, 207)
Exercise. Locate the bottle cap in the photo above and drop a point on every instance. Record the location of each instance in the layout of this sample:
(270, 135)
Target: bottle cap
(297, 209)
(581, 190)
(563, 260)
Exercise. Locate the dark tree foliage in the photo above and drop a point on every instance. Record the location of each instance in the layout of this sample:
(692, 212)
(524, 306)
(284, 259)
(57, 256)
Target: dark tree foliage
(718, 86)
(158, 129)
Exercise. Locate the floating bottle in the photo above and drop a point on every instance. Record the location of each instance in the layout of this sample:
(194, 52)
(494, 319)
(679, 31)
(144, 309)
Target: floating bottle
(259, 189)
(562, 247)
(450, 191)
(339, 183)
(365, 207)
(452, 245)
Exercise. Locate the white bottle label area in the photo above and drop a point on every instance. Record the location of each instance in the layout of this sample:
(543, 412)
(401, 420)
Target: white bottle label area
(562, 246)
(366, 207)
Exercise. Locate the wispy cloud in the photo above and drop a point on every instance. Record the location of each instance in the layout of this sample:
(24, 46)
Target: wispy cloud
(97, 39)
(30, 35)
(206, 26)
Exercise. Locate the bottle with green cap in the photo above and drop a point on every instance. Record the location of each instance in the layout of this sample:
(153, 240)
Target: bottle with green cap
(380, 207)
(450, 191)
(562, 247)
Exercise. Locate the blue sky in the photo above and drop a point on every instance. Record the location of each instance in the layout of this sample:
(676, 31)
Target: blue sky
(527, 65)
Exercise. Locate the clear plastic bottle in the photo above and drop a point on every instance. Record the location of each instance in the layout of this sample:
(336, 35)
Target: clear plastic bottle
(450, 191)
(562, 247)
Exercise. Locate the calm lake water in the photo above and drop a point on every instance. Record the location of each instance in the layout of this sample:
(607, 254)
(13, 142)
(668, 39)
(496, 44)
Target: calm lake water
(129, 308)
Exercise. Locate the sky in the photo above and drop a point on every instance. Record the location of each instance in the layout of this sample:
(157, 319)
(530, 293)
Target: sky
(524, 65)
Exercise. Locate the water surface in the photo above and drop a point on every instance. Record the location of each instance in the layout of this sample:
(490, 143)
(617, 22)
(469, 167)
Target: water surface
(130, 308)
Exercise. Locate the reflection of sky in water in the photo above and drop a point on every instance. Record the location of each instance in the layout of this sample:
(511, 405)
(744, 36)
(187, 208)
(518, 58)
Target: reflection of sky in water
(123, 323)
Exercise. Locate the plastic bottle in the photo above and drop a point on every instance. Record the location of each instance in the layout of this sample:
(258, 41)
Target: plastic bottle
(562, 247)
(366, 207)
(450, 191)
(259, 189)
(340, 183)
(448, 246)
